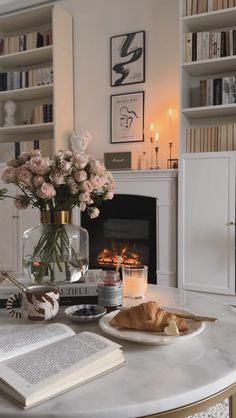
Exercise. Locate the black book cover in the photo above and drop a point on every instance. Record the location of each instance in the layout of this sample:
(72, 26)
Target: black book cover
(217, 91)
(223, 44)
(194, 46)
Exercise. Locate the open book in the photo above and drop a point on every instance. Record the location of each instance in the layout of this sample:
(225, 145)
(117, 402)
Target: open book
(43, 362)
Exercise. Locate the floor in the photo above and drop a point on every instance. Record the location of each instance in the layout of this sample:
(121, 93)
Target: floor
(220, 410)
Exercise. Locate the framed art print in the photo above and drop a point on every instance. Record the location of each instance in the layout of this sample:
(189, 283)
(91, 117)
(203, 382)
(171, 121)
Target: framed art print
(127, 53)
(127, 117)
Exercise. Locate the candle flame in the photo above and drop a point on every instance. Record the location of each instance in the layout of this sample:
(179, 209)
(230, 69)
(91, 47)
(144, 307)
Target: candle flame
(170, 112)
(156, 136)
(151, 126)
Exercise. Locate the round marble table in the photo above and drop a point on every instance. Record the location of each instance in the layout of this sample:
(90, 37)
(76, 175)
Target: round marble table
(167, 381)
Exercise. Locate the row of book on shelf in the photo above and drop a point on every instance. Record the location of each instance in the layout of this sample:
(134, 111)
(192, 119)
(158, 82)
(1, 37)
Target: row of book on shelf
(201, 46)
(41, 113)
(24, 42)
(12, 80)
(193, 7)
(211, 139)
(9, 150)
(217, 91)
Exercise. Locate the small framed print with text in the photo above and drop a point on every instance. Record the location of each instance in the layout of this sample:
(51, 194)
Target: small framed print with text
(127, 117)
(127, 54)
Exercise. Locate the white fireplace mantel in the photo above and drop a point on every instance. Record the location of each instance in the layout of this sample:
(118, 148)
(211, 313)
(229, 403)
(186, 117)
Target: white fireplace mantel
(162, 185)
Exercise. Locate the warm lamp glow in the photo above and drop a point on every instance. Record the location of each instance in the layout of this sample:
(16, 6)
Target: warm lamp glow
(151, 127)
(170, 112)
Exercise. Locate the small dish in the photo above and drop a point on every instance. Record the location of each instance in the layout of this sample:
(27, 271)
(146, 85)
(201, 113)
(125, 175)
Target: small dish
(85, 313)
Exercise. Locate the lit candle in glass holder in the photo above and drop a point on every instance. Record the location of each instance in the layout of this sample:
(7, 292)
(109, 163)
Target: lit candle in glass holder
(152, 140)
(156, 143)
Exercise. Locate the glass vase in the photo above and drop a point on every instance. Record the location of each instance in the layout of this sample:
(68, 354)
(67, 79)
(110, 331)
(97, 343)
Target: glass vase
(56, 250)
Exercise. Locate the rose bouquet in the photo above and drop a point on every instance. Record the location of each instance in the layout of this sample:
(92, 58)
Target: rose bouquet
(55, 186)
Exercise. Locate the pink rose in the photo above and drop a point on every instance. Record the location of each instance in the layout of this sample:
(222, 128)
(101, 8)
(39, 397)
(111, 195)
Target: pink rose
(21, 201)
(65, 166)
(23, 157)
(80, 175)
(57, 177)
(38, 181)
(96, 181)
(108, 195)
(69, 180)
(85, 186)
(80, 160)
(13, 162)
(84, 197)
(97, 167)
(9, 174)
(59, 155)
(24, 176)
(74, 188)
(93, 213)
(82, 206)
(46, 191)
(38, 165)
(35, 153)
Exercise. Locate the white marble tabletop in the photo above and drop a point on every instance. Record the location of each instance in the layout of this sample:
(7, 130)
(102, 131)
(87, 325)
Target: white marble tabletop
(155, 378)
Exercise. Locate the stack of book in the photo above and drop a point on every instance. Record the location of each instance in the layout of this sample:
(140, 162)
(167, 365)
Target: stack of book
(70, 293)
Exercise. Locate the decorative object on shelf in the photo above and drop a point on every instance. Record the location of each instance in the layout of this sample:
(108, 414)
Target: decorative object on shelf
(151, 142)
(10, 109)
(80, 140)
(127, 117)
(172, 162)
(143, 161)
(156, 149)
(127, 58)
(57, 250)
(127, 160)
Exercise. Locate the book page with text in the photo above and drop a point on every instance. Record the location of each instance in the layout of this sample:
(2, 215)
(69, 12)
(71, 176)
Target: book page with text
(58, 366)
(12, 345)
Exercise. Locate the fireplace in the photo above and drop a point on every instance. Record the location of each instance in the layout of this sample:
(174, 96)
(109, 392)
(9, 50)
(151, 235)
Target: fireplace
(126, 227)
(136, 233)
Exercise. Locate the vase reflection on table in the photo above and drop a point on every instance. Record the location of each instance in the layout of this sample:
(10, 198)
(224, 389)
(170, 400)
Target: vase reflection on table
(56, 250)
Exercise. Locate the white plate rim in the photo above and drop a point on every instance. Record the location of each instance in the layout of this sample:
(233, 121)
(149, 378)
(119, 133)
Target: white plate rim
(150, 338)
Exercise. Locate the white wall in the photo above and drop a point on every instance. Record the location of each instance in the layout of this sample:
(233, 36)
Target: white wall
(95, 21)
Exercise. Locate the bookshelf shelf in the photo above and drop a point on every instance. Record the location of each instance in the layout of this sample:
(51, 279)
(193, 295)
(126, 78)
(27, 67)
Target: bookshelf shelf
(22, 132)
(210, 111)
(25, 58)
(209, 21)
(28, 93)
(211, 66)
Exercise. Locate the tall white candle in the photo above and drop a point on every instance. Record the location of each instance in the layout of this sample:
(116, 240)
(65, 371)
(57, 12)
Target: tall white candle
(170, 125)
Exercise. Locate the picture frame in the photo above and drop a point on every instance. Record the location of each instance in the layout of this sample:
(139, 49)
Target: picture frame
(127, 58)
(127, 117)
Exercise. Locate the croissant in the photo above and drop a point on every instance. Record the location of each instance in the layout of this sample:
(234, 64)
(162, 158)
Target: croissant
(146, 317)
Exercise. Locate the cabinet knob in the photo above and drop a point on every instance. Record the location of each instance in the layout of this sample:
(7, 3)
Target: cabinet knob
(15, 217)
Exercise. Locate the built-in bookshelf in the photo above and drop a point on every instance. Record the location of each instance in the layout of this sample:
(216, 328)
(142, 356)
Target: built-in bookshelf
(208, 82)
(36, 72)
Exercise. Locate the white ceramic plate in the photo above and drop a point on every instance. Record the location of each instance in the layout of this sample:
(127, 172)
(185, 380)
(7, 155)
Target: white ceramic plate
(71, 313)
(151, 338)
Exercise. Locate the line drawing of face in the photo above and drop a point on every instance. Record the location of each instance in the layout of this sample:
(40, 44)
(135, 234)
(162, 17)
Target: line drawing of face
(126, 118)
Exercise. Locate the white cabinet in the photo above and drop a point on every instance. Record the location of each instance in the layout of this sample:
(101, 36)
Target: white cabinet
(207, 223)
(32, 64)
(206, 211)
(13, 223)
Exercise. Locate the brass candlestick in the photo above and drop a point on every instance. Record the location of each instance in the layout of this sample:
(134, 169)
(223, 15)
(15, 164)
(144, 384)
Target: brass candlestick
(172, 162)
(151, 141)
(156, 150)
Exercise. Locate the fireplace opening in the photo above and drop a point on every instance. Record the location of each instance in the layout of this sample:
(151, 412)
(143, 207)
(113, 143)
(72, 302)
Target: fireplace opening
(126, 227)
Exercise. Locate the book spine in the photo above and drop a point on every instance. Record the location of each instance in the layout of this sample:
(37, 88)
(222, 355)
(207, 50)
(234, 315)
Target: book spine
(202, 92)
(217, 91)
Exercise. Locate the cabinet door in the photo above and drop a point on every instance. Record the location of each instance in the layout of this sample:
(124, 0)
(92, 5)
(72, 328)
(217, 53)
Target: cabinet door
(206, 223)
(8, 231)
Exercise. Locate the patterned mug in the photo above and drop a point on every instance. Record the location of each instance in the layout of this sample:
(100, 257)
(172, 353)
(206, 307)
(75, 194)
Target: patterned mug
(38, 303)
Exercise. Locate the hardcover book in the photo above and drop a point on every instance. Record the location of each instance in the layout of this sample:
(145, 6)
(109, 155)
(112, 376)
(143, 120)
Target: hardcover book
(51, 359)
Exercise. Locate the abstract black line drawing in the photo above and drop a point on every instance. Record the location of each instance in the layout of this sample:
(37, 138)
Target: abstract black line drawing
(127, 58)
(127, 117)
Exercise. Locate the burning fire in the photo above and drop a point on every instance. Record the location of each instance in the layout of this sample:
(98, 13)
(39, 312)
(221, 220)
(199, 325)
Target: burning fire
(111, 257)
